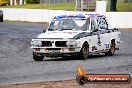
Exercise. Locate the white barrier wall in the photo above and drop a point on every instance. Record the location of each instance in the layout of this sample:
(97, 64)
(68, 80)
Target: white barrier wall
(120, 19)
(116, 19)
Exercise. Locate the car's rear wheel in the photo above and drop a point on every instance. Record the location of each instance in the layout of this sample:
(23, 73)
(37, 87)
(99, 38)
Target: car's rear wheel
(84, 51)
(1, 19)
(111, 50)
(37, 58)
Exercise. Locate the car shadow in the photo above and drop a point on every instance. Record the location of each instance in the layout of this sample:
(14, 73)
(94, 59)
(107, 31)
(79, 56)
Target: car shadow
(75, 58)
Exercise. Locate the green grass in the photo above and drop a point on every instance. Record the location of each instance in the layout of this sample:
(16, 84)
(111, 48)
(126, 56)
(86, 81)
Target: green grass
(121, 7)
(125, 7)
(69, 7)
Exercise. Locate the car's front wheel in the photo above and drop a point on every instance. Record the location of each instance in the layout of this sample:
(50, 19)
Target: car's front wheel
(37, 58)
(84, 51)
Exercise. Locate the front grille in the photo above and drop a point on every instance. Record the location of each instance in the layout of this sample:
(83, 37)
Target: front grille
(60, 44)
(46, 43)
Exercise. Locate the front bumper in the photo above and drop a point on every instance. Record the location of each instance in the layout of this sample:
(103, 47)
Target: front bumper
(57, 52)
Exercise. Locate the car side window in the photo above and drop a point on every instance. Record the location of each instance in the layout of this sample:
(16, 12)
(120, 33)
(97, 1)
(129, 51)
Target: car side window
(102, 23)
(94, 26)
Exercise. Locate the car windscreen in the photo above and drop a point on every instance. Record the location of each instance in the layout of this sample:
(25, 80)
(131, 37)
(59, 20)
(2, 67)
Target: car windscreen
(69, 24)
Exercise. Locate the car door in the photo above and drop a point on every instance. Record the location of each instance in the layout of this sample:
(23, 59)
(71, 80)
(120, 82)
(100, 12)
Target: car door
(104, 33)
(95, 38)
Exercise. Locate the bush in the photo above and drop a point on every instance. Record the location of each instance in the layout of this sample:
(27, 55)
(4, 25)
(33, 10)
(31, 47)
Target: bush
(4, 2)
(33, 1)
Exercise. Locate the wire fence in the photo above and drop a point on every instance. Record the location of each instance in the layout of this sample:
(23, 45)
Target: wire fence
(85, 5)
(56, 1)
(73, 1)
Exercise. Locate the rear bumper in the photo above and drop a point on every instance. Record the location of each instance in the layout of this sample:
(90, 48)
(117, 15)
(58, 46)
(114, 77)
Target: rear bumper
(118, 44)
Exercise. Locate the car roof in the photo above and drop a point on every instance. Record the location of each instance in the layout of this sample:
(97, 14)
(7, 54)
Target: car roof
(78, 16)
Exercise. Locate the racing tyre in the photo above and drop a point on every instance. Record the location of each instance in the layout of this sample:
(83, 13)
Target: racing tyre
(111, 50)
(37, 58)
(84, 51)
(1, 19)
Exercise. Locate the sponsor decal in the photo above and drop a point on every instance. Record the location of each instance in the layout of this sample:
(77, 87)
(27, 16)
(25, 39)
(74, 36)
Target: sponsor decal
(82, 78)
(107, 46)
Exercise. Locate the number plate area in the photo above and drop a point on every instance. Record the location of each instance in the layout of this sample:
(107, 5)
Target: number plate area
(54, 50)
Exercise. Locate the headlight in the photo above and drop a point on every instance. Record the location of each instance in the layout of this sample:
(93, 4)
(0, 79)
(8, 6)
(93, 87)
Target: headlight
(36, 43)
(71, 43)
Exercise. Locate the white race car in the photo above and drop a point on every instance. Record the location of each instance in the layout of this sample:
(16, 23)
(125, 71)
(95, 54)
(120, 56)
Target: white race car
(78, 35)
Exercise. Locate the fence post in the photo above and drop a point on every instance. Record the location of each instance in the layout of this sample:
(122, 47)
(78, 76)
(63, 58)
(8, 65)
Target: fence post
(81, 5)
(101, 7)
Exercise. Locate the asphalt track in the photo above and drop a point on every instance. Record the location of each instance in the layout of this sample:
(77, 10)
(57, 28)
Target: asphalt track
(17, 65)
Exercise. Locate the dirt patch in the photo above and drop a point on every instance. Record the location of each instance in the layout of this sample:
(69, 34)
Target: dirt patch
(66, 84)
(130, 28)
